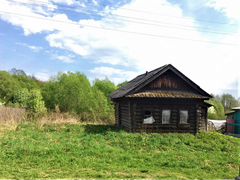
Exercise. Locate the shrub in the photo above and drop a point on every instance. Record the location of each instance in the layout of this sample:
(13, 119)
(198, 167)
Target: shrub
(31, 100)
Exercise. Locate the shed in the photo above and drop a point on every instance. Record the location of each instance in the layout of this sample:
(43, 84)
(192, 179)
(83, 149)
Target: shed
(233, 121)
(162, 100)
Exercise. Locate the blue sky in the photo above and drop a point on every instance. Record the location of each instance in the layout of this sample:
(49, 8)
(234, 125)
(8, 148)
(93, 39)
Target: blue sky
(121, 39)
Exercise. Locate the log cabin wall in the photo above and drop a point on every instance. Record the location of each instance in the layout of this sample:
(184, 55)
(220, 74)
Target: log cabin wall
(156, 107)
(201, 118)
(117, 114)
(124, 114)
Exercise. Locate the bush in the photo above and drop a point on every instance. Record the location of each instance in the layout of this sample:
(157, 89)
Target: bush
(31, 100)
(8, 86)
(68, 92)
(72, 92)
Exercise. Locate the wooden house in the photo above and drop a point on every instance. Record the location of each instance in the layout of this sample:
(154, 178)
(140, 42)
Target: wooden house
(162, 100)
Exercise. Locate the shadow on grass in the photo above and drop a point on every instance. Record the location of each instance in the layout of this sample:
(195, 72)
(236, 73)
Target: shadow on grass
(100, 129)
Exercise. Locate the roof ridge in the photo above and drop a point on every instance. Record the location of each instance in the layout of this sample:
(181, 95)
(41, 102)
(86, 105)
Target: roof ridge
(143, 79)
(155, 69)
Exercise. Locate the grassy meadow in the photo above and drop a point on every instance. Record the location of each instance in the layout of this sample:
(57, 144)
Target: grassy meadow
(34, 150)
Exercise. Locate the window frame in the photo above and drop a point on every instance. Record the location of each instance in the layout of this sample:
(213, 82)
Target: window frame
(148, 114)
(169, 119)
(181, 122)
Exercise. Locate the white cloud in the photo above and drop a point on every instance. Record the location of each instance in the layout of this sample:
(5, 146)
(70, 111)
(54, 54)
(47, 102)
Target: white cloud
(68, 42)
(31, 19)
(42, 76)
(211, 65)
(112, 60)
(33, 48)
(229, 8)
(68, 2)
(66, 59)
(118, 75)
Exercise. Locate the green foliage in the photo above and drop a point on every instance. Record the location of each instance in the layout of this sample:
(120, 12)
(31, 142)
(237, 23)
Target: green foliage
(106, 86)
(35, 102)
(103, 109)
(102, 90)
(221, 104)
(217, 110)
(229, 101)
(21, 98)
(27, 82)
(1, 102)
(69, 92)
(50, 94)
(8, 86)
(98, 151)
(75, 93)
(31, 100)
(72, 92)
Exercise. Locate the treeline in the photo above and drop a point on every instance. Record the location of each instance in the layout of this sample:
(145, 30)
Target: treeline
(67, 92)
(73, 93)
(221, 105)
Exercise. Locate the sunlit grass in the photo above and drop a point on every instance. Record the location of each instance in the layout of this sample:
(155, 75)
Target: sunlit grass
(100, 151)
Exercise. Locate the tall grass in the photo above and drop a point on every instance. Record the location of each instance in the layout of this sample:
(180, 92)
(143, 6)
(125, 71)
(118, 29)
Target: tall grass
(9, 114)
(10, 117)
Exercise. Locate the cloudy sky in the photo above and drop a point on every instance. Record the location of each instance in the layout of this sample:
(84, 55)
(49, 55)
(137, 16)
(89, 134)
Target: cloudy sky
(121, 39)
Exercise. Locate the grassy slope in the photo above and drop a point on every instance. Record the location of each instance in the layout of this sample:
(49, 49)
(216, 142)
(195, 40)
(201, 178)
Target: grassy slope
(97, 151)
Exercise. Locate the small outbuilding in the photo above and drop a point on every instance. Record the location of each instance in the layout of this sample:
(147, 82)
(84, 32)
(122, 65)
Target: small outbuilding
(162, 100)
(233, 121)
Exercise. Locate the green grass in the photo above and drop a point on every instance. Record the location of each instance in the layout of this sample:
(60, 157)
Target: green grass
(99, 151)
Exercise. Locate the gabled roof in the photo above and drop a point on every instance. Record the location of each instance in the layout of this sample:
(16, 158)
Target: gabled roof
(142, 80)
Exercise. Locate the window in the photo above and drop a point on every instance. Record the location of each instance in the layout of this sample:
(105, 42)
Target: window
(166, 114)
(148, 118)
(183, 117)
(147, 114)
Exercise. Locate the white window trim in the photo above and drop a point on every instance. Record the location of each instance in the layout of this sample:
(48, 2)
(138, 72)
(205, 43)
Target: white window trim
(169, 119)
(180, 122)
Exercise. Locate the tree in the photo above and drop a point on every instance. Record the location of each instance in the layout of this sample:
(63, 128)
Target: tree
(105, 86)
(217, 109)
(26, 82)
(74, 93)
(229, 101)
(50, 94)
(8, 87)
(103, 110)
